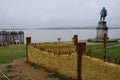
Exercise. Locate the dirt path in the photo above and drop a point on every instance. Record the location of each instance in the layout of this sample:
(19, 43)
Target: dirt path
(20, 70)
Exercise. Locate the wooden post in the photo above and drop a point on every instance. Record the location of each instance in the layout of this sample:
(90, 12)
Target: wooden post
(101, 57)
(28, 42)
(91, 55)
(108, 59)
(118, 62)
(81, 48)
(75, 38)
(105, 46)
(94, 55)
(115, 61)
(89, 51)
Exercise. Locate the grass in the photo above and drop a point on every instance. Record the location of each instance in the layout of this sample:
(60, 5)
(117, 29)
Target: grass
(35, 66)
(9, 53)
(98, 50)
(8, 68)
(54, 75)
(51, 74)
(3, 78)
(10, 77)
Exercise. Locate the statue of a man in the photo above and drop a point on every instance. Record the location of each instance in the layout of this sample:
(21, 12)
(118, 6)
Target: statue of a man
(103, 14)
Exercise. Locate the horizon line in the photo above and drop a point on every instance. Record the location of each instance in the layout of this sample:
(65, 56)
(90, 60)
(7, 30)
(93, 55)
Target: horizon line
(55, 28)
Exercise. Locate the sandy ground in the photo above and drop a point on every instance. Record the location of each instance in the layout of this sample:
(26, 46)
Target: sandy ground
(19, 69)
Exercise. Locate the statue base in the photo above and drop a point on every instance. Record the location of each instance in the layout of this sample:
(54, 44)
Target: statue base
(101, 30)
(99, 40)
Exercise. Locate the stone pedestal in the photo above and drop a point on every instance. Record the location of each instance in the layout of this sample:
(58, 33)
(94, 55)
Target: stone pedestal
(101, 29)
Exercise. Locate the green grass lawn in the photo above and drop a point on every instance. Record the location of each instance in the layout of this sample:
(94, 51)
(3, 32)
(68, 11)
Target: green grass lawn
(9, 53)
(98, 50)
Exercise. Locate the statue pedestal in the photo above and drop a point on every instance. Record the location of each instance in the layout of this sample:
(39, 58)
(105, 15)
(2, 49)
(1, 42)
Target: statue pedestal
(101, 30)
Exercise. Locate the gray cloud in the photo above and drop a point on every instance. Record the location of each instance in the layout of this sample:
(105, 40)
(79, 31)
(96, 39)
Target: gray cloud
(53, 13)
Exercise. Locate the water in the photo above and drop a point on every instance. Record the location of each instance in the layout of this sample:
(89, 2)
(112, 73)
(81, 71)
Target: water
(66, 35)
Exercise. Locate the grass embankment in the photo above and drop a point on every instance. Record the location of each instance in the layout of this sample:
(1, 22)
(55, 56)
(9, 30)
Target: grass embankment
(113, 52)
(9, 53)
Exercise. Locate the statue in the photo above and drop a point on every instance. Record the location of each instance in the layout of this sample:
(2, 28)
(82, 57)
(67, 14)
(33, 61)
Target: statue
(103, 14)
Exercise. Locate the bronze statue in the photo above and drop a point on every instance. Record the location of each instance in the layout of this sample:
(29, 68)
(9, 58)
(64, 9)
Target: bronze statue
(103, 14)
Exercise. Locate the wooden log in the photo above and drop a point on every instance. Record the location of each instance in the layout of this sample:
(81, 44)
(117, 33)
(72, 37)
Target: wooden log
(119, 62)
(28, 42)
(75, 38)
(108, 59)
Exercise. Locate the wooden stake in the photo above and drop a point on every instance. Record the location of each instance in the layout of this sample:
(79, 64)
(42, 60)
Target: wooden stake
(75, 38)
(28, 42)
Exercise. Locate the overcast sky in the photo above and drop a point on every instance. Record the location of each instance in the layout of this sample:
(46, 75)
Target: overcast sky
(57, 13)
